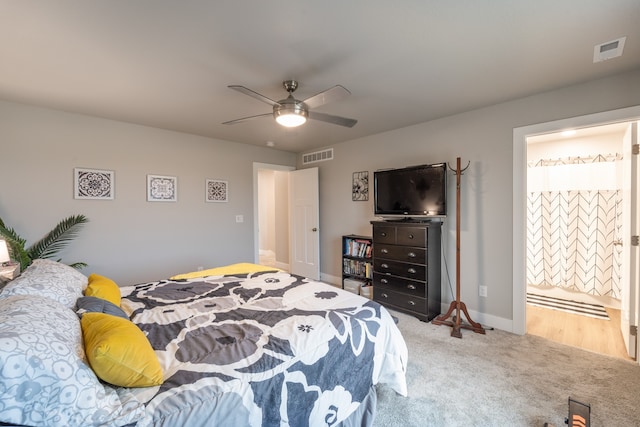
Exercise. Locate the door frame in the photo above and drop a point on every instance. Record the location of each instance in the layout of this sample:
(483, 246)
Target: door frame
(256, 220)
(519, 170)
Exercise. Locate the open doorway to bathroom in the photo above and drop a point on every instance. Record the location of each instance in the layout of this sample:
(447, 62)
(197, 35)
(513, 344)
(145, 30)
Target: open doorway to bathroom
(574, 236)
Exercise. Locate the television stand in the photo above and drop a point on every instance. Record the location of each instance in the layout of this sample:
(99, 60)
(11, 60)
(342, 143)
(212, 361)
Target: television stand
(406, 267)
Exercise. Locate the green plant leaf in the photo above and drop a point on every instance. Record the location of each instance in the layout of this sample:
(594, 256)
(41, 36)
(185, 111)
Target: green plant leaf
(58, 238)
(78, 265)
(48, 246)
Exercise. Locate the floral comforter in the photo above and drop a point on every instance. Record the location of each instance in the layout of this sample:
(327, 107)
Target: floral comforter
(262, 349)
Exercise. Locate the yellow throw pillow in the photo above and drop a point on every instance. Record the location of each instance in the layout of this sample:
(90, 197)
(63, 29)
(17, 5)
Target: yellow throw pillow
(119, 352)
(103, 287)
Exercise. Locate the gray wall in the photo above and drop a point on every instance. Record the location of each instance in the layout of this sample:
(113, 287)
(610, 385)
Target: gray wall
(128, 239)
(483, 137)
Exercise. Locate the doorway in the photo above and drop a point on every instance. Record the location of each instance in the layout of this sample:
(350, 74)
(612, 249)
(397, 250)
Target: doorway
(286, 218)
(271, 215)
(520, 135)
(574, 235)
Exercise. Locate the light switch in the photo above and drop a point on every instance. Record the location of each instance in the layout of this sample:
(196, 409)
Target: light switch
(239, 218)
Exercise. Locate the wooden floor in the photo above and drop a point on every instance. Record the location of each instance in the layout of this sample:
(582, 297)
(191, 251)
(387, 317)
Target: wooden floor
(600, 336)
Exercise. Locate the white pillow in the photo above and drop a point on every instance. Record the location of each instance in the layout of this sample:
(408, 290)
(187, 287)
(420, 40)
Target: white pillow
(44, 378)
(50, 279)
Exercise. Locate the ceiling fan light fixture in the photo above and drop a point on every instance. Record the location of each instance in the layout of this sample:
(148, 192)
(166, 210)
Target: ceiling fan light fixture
(290, 114)
(291, 120)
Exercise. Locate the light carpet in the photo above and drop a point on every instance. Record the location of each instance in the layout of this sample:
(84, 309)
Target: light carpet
(503, 379)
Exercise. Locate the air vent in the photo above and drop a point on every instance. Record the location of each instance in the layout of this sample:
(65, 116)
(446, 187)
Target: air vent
(318, 156)
(608, 50)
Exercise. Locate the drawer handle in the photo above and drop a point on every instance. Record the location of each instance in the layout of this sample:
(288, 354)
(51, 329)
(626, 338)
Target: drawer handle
(384, 295)
(384, 265)
(384, 251)
(385, 281)
(411, 255)
(412, 303)
(383, 234)
(412, 287)
(412, 270)
(410, 236)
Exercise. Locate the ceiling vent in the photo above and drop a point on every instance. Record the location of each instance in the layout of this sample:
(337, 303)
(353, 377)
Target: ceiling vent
(608, 50)
(318, 156)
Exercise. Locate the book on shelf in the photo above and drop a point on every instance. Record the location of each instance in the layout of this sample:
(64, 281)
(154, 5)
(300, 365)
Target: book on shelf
(357, 248)
(356, 268)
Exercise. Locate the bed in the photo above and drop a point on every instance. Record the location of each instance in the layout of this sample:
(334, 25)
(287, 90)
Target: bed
(240, 346)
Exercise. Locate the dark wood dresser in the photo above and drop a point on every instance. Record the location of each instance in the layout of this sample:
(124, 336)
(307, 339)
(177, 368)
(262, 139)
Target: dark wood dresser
(406, 266)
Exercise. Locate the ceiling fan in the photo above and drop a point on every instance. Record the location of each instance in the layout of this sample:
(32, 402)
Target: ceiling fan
(291, 112)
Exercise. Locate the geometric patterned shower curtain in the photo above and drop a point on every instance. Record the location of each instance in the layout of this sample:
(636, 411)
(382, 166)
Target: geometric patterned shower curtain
(574, 219)
(570, 240)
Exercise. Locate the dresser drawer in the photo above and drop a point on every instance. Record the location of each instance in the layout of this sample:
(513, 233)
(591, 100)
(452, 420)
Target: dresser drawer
(384, 234)
(411, 236)
(402, 269)
(396, 284)
(400, 253)
(405, 301)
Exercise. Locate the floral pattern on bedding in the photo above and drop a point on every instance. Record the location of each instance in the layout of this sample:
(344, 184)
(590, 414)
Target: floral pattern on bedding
(263, 349)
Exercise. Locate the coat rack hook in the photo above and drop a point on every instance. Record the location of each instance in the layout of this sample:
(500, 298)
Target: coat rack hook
(462, 170)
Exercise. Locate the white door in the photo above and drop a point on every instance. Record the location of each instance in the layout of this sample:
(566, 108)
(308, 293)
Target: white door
(630, 301)
(304, 246)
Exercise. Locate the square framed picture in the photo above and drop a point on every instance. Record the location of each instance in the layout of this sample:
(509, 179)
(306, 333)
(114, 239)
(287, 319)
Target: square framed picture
(360, 186)
(94, 184)
(162, 188)
(217, 191)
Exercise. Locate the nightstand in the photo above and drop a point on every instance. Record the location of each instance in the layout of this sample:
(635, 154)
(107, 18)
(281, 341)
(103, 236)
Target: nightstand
(9, 272)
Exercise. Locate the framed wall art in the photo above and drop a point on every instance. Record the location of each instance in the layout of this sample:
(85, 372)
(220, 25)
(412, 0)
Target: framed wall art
(95, 184)
(162, 188)
(217, 191)
(360, 186)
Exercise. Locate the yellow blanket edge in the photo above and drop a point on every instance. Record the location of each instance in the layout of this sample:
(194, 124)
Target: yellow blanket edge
(239, 268)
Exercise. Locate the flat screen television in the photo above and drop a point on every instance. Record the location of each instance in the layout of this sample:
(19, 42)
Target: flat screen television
(416, 192)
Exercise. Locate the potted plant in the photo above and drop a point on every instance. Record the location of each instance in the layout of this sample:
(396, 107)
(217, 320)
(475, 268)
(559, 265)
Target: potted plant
(48, 246)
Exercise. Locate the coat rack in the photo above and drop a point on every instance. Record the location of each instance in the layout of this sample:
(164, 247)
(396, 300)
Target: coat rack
(457, 306)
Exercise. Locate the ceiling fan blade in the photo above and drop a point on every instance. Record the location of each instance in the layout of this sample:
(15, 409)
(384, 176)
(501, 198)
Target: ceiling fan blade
(244, 119)
(253, 94)
(333, 94)
(336, 120)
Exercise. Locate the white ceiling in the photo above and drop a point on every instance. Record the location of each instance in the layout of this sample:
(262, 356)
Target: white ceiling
(167, 63)
(613, 130)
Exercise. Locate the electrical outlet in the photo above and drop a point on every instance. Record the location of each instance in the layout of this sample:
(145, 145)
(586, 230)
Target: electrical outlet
(239, 218)
(482, 290)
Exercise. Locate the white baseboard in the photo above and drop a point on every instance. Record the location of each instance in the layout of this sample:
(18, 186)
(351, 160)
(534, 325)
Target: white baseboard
(281, 265)
(486, 320)
(332, 280)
